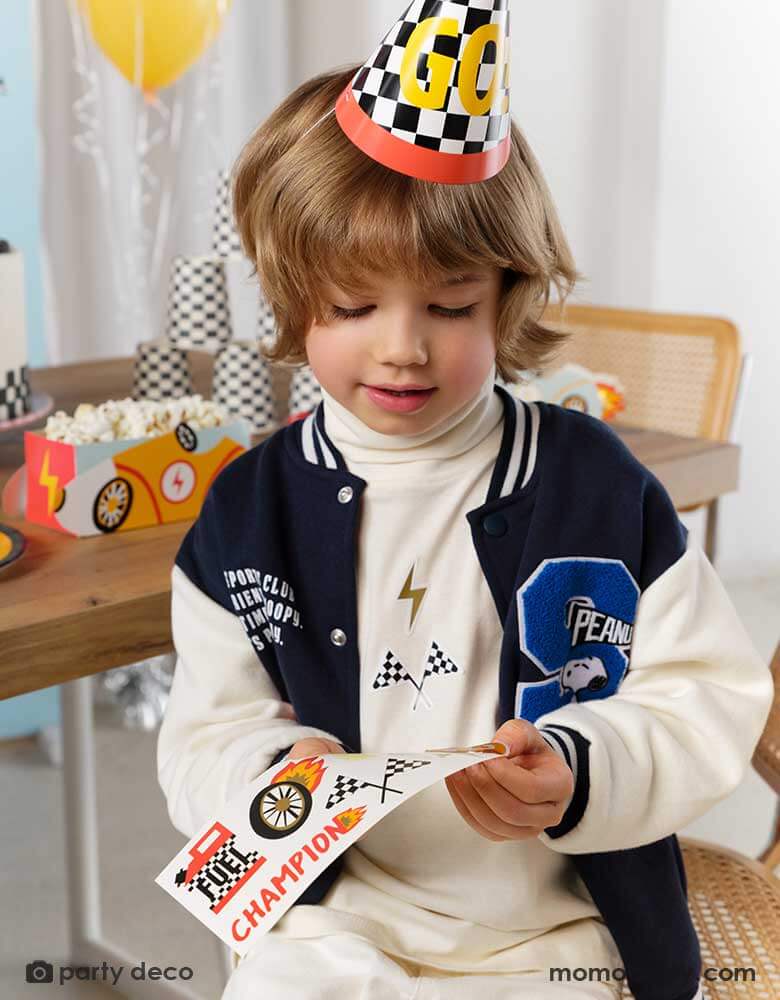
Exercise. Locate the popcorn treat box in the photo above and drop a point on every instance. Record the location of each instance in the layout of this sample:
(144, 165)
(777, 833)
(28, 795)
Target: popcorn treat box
(93, 489)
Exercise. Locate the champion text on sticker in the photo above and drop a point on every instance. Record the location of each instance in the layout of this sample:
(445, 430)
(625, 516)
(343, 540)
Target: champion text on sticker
(242, 872)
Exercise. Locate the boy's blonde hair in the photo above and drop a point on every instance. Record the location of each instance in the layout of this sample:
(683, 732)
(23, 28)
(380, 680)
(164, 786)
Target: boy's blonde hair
(311, 207)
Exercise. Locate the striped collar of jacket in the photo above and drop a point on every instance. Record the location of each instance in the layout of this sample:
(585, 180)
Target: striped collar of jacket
(515, 464)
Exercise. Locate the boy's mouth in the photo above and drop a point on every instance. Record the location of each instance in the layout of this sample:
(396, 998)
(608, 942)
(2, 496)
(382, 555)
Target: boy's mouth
(401, 400)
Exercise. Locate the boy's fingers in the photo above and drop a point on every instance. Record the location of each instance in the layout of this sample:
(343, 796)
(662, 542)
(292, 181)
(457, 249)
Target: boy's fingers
(549, 784)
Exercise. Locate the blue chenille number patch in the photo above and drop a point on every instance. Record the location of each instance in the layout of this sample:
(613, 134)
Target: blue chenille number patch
(576, 623)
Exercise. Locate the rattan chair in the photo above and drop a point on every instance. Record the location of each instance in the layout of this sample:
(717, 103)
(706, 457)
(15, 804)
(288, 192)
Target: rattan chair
(681, 374)
(735, 900)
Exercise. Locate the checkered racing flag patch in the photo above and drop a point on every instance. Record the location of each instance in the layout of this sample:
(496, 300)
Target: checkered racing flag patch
(391, 672)
(438, 662)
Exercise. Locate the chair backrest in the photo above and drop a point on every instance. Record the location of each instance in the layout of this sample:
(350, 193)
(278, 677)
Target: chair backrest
(766, 758)
(680, 373)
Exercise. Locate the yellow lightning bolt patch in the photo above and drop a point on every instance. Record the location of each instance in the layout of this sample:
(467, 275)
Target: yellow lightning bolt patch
(414, 595)
(50, 482)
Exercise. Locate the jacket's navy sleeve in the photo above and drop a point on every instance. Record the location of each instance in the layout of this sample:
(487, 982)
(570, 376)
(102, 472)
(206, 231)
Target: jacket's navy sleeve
(678, 734)
(226, 721)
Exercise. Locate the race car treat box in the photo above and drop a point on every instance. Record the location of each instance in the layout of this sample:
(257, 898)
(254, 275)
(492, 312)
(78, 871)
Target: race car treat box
(92, 489)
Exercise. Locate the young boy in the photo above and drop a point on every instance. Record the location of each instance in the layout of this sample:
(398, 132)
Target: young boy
(426, 561)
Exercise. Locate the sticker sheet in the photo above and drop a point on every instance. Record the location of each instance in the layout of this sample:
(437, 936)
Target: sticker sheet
(242, 872)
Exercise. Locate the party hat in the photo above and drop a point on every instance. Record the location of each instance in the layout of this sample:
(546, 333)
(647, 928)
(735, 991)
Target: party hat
(433, 100)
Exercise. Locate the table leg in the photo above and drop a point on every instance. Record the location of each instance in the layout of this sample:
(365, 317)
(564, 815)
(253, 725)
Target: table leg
(87, 947)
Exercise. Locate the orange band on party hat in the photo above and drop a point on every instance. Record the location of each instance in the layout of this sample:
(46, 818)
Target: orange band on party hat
(433, 100)
(416, 161)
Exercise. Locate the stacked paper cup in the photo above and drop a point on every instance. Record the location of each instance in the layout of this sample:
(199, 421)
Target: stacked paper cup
(162, 371)
(225, 241)
(305, 392)
(199, 304)
(243, 385)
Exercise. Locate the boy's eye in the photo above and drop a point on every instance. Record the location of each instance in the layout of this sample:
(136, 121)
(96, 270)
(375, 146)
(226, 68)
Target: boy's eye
(340, 313)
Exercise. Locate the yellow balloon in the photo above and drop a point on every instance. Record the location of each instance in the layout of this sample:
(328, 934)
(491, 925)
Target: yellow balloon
(172, 35)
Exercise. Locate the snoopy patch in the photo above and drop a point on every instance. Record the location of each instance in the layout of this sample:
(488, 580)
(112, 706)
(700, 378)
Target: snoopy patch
(576, 623)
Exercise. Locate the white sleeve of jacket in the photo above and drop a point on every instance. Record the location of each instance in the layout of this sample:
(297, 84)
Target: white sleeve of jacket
(679, 733)
(225, 721)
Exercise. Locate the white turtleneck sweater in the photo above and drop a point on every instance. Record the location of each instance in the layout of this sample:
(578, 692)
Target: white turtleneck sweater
(422, 884)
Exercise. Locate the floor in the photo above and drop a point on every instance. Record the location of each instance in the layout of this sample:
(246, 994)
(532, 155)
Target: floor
(137, 841)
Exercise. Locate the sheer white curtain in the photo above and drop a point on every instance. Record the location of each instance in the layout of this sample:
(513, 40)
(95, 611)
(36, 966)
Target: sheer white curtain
(88, 233)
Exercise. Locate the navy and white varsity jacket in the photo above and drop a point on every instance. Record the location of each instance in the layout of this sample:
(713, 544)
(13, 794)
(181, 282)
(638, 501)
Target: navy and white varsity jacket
(619, 643)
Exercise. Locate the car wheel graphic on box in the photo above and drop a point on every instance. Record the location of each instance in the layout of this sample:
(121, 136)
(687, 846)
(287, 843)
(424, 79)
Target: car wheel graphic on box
(186, 437)
(279, 809)
(112, 505)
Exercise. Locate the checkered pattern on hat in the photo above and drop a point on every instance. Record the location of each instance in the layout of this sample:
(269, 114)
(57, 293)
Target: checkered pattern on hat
(15, 399)
(342, 787)
(161, 371)
(223, 871)
(438, 662)
(305, 391)
(397, 765)
(225, 240)
(243, 385)
(198, 304)
(377, 85)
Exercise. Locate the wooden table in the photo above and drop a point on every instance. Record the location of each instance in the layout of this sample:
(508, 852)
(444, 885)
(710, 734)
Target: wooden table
(72, 607)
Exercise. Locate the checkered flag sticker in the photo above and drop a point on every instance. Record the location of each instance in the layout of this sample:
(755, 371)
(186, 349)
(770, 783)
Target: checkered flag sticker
(343, 787)
(397, 765)
(225, 239)
(346, 785)
(433, 100)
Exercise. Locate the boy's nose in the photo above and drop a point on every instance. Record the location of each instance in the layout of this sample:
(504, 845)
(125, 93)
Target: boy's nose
(402, 342)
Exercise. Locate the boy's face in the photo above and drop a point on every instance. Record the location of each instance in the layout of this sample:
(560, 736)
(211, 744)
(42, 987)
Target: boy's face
(398, 334)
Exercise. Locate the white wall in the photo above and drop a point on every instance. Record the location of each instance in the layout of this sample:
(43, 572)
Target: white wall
(718, 236)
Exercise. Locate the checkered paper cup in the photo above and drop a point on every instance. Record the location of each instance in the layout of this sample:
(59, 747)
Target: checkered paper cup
(15, 396)
(244, 386)
(161, 371)
(199, 304)
(305, 391)
(266, 323)
(225, 240)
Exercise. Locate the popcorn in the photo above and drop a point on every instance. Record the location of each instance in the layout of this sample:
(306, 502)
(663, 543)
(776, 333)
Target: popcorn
(130, 419)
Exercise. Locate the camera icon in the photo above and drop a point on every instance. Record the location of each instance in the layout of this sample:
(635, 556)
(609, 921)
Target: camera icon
(40, 972)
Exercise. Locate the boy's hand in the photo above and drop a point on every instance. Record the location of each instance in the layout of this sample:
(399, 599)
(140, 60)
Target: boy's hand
(311, 746)
(516, 797)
